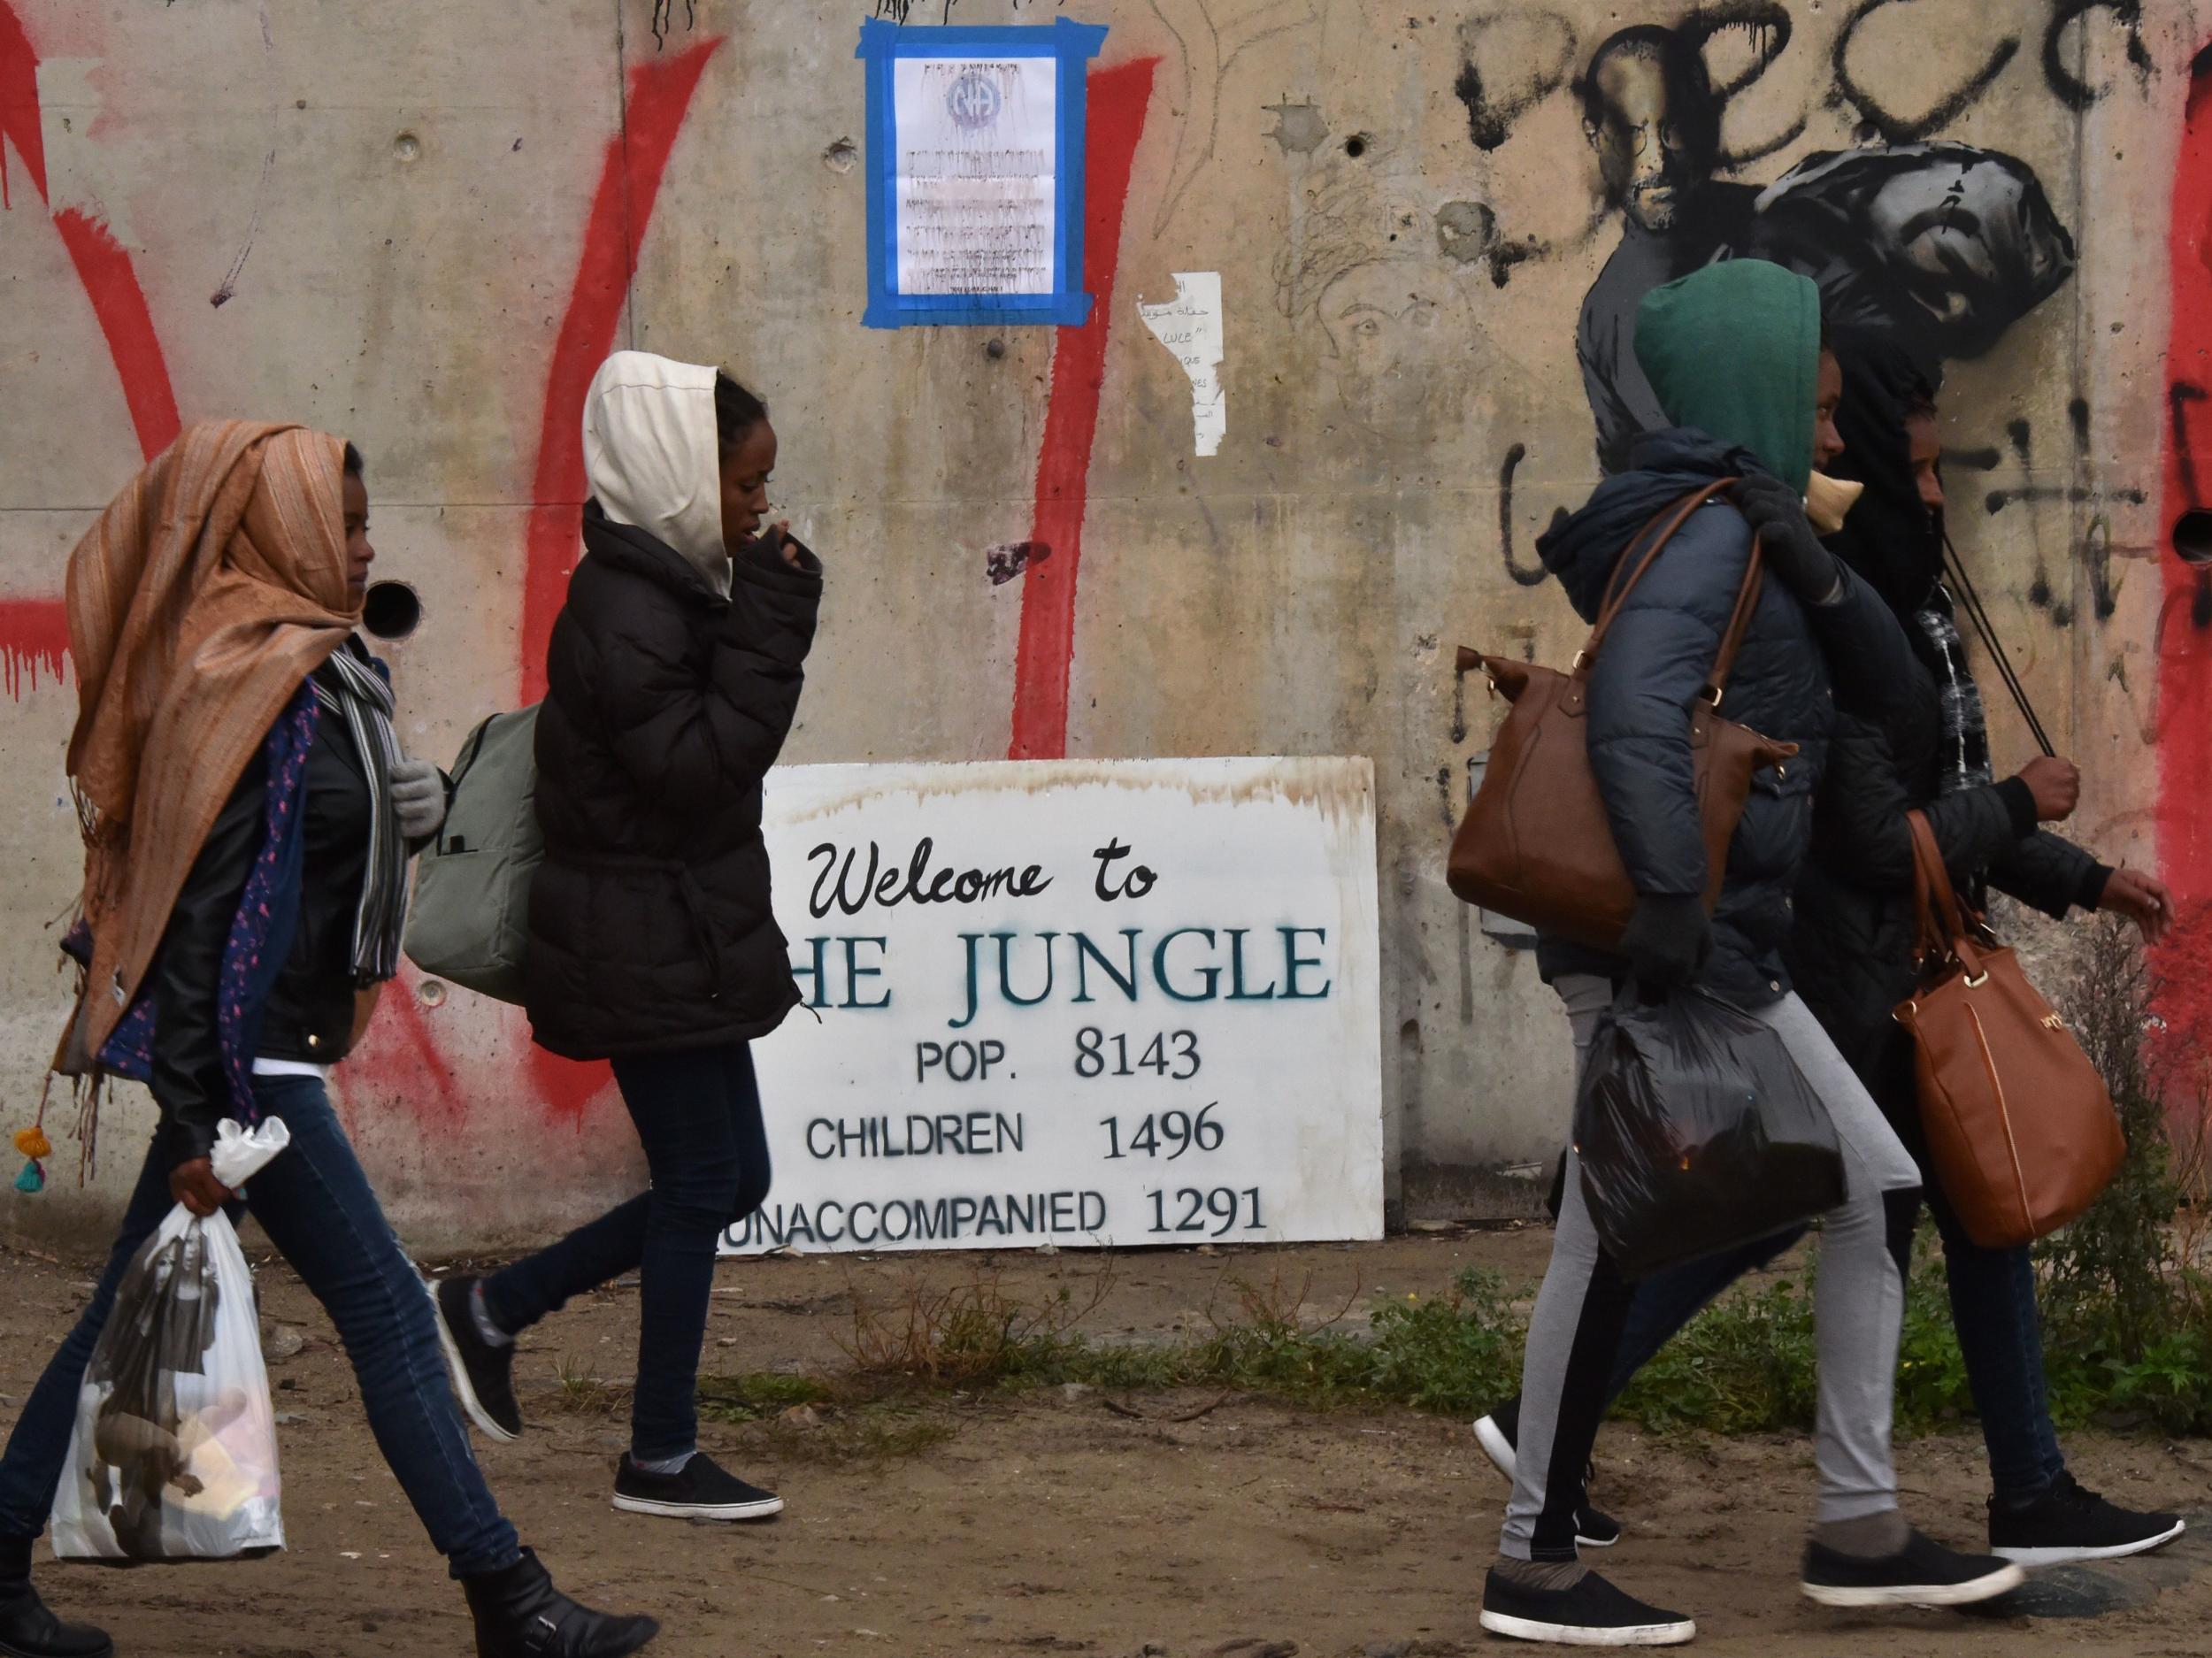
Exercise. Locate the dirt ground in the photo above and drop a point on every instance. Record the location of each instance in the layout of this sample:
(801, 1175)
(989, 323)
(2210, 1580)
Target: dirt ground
(1056, 1524)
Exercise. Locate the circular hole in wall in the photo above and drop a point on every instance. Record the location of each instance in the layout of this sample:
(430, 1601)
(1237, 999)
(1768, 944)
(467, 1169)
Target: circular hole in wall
(2192, 535)
(1356, 146)
(431, 993)
(391, 611)
(407, 147)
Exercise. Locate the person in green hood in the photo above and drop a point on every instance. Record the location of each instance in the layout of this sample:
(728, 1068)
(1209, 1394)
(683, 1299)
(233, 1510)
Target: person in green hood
(1734, 354)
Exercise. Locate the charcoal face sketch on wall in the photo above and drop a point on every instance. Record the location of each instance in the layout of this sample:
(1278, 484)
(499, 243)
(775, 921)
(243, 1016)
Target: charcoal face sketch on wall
(1946, 244)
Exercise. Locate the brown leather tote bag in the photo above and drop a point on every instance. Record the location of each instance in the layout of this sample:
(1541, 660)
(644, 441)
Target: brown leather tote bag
(1536, 844)
(2021, 1130)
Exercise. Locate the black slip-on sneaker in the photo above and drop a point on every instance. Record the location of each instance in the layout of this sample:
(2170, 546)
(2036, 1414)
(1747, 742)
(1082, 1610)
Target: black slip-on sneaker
(700, 1490)
(483, 1375)
(1594, 1613)
(1499, 1434)
(2072, 1522)
(1923, 1573)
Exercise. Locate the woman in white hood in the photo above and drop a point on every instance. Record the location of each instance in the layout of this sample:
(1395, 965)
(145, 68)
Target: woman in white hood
(674, 673)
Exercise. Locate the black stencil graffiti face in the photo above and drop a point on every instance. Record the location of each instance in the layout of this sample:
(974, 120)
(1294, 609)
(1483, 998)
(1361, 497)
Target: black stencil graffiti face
(1649, 112)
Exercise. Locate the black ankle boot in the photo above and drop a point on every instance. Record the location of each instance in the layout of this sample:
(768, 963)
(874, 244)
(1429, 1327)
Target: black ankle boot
(519, 1613)
(27, 1630)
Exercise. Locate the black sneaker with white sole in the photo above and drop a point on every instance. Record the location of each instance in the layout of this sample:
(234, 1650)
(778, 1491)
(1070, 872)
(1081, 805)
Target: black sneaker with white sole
(1499, 1434)
(483, 1375)
(1923, 1573)
(700, 1490)
(2072, 1522)
(1594, 1613)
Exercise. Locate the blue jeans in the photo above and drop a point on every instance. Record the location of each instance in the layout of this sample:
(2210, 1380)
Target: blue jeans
(318, 1208)
(706, 1150)
(1993, 1309)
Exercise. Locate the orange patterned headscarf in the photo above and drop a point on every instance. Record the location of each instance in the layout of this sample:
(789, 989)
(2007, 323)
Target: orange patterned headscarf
(207, 593)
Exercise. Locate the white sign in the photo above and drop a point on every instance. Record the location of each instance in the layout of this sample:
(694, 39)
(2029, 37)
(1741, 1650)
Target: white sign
(1190, 326)
(1082, 1002)
(979, 153)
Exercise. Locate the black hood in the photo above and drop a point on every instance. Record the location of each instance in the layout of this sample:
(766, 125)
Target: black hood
(1664, 467)
(1889, 537)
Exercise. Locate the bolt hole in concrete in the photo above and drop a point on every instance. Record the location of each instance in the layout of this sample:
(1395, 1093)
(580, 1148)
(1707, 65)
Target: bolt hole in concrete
(841, 156)
(391, 611)
(1356, 146)
(431, 993)
(2192, 536)
(994, 349)
(407, 147)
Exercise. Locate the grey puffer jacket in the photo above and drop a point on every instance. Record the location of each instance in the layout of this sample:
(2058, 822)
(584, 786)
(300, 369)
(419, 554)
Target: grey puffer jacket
(1794, 661)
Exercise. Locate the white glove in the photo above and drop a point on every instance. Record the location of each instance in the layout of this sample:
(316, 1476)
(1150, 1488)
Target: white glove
(418, 799)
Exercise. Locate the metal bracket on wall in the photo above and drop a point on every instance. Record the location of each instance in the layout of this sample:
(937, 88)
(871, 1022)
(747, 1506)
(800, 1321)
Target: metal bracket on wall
(1514, 935)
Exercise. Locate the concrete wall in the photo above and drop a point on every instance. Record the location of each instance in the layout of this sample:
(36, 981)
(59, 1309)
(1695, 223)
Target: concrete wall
(408, 222)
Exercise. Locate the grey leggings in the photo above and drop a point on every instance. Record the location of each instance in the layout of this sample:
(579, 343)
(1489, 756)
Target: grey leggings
(1858, 1307)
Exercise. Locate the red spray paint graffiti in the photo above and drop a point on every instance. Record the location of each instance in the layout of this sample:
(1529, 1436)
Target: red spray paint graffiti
(34, 637)
(35, 630)
(660, 97)
(1118, 98)
(614, 231)
(2185, 623)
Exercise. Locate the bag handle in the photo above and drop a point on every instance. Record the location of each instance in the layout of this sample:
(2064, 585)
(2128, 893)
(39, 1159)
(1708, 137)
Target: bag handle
(1738, 623)
(1676, 517)
(1944, 932)
(1739, 620)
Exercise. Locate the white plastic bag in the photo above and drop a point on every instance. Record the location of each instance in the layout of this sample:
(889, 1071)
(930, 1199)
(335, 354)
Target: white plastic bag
(175, 1454)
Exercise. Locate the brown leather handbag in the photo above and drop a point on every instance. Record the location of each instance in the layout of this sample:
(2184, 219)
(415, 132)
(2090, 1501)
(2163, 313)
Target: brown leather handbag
(2020, 1127)
(1536, 844)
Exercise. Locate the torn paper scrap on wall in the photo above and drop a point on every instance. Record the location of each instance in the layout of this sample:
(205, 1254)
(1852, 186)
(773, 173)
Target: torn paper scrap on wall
(1189, 325)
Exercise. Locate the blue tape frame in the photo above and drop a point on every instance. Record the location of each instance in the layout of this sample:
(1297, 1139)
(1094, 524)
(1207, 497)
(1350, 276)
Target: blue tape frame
(1073, 45)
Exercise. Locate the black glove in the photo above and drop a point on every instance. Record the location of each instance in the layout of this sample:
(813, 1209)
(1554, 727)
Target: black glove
(1667, 941)
(1793, 551)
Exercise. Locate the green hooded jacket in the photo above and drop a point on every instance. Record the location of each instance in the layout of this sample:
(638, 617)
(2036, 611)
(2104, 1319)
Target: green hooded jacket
(1733, 350)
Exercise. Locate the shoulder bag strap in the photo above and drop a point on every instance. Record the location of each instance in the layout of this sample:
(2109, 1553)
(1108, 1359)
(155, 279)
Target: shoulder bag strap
(1738, 624)
(1944, 931)
(1675, 520)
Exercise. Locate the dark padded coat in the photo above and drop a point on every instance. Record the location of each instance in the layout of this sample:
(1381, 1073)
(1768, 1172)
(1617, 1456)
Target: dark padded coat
(1654, 665)
(650, 927)
(1851, 953)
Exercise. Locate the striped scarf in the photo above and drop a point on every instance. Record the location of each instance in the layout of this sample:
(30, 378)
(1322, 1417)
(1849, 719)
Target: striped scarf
(364, 700)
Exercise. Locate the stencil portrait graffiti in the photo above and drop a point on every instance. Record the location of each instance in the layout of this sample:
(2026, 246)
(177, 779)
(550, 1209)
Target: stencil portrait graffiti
(1945, 243)
(1650, 111)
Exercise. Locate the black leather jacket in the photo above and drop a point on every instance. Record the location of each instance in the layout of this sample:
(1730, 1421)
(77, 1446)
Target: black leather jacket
(310, 1010)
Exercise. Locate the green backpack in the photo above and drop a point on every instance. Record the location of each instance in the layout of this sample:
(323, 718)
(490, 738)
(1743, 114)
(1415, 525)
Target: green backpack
(470, 920)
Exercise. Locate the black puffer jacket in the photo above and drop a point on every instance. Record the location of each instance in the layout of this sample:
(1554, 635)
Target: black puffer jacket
(1851, 953)
(650, 929)
(1651, 673)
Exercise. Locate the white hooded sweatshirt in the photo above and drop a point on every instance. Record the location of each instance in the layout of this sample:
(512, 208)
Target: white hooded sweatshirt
(652, 459)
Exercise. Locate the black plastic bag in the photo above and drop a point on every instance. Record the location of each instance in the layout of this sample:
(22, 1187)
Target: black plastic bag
(1696, 1133)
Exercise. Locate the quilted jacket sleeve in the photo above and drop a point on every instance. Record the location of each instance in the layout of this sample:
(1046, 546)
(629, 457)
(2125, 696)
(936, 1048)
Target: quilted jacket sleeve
(680, 736)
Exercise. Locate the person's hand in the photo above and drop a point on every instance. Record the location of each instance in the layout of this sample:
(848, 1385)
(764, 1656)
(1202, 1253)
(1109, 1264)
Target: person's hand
(776, 541)
(1668, 939)
(1793, 551)
(2056, 785)
(194, 1186)
(418, 799)
(2143, 899)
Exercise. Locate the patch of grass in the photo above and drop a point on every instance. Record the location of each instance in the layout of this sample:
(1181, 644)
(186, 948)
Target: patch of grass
(583, 1394)
(759, 1394)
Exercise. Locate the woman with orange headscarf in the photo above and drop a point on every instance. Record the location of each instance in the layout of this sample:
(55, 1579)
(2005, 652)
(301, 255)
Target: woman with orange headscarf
(248, 817)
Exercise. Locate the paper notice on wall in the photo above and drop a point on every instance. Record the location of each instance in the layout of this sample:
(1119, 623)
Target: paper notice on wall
(978, 154)
(1189, 325)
